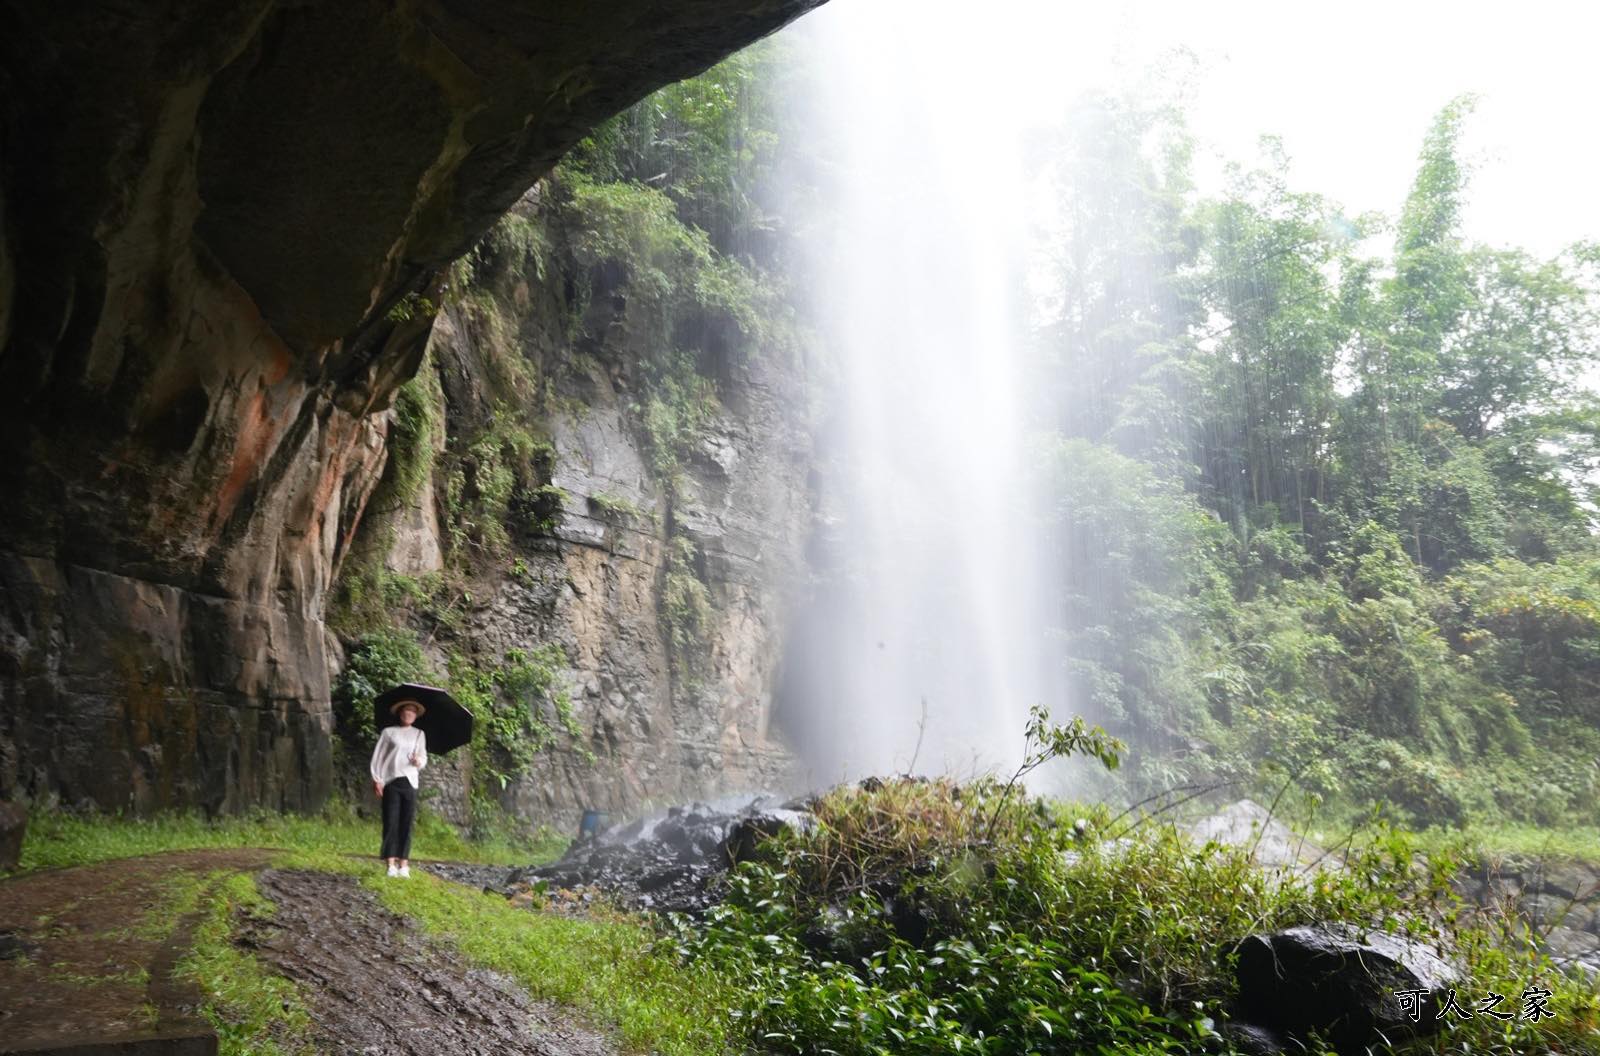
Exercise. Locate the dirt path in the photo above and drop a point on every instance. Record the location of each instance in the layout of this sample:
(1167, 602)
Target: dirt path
(86, 954)
(375, 983)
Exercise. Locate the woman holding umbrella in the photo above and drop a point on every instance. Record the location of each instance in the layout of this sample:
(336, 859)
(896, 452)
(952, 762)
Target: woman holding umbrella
(401, 752)
(408, 717)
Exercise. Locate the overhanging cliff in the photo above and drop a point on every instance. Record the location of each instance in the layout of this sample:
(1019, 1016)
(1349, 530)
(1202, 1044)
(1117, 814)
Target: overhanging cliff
(208, 216)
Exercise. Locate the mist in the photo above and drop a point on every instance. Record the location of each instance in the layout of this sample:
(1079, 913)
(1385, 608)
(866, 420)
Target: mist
(924, 645)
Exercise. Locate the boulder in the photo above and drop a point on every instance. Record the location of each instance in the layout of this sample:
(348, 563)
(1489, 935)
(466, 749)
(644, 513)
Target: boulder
(671, 861)
(1252, 1040)
(1341, 983)
(1272, 844)
(1503, 888)
(1569, 944)
(13, 826)
(1570, 880)
(1545, 910)
(751, 829)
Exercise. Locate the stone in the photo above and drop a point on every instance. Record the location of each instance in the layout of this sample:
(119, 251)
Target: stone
(1568, 944)
(1340, 983)
(13, 827)
(1570, 880)
(1504, 888)
(217, 214)
(1252, 1040)
(671, 861)
(1582, 916)
(1545, 910)
(833, 934)
(1249, 825)
(13, 946)
(751, 829)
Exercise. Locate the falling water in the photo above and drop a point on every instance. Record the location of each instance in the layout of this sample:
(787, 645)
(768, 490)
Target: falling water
(924, 644)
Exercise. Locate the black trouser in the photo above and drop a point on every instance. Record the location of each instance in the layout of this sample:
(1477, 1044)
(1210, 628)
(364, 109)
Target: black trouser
(399, 811)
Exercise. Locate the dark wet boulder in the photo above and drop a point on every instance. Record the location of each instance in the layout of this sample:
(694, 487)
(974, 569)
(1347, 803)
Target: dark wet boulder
(672, 861)
(910, 917)
(833, 934)
(748, 831)
(13, 826)
(1341, 983)
(1253, 1040)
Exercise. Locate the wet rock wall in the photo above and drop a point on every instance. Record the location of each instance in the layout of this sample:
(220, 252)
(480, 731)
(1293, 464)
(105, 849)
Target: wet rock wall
(661, 721)
(208, 214)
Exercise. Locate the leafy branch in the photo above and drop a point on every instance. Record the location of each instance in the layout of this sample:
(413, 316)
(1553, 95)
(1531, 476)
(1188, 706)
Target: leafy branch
(1046, 741)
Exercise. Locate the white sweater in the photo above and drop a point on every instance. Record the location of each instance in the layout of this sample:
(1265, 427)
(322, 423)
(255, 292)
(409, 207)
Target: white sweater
(391, 756)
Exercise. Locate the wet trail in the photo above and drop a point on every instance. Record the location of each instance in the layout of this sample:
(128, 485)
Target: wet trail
(375, 983)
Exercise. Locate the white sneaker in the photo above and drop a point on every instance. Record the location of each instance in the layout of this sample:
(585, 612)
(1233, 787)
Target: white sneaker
(394, 870)
(405, 870)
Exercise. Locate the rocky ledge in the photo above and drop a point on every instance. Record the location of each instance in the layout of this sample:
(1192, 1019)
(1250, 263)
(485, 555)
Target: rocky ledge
(211, 222)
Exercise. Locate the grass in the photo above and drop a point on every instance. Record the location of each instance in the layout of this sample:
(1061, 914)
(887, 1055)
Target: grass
(253, 1010)
(1014, 900)
(1334, 823)
(907, 923)
(612, 970)
(58, 839)
(1523, 841)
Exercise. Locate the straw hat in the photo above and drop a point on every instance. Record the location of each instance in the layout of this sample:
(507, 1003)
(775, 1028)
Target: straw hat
(394, 709)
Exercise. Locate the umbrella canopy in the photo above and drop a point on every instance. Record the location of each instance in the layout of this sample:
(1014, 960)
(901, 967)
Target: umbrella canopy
(446, 723)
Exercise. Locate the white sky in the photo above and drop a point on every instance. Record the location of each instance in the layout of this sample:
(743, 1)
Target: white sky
(1350, 88)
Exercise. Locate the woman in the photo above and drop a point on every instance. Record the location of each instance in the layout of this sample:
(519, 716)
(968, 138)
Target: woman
(401, 751)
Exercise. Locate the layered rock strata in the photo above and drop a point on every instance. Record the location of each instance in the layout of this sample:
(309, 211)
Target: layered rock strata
(664, 716)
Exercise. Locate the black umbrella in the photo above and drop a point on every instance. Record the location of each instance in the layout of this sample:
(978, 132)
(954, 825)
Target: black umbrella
(446, 723)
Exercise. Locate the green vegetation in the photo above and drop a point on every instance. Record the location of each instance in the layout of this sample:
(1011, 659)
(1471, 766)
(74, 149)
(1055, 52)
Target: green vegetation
(608, 967)
(1322, 512)
(709, 142)
(253, 1010)
(614, 508)
(494, 485)
(685, 610)
(519, 704)
(412, 306)
(57, 839)
(927, 917)
(377, 661)
(366, 593)
(918, 917)
(415, 431)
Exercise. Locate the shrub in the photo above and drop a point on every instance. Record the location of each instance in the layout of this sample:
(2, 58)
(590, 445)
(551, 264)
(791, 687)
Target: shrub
(378, 660)
(895, 927)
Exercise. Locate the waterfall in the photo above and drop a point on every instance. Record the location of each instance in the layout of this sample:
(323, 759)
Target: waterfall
(931, 583)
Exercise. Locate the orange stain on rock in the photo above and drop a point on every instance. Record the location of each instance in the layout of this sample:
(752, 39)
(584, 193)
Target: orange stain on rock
(332, 471)
(257, 429)
(278, 366)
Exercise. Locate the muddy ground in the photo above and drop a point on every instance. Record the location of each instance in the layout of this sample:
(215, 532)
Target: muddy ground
(375, 983)
(88, 953)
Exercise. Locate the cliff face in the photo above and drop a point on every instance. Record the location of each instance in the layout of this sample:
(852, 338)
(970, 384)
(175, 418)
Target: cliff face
(208, 217)
(656, 598)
